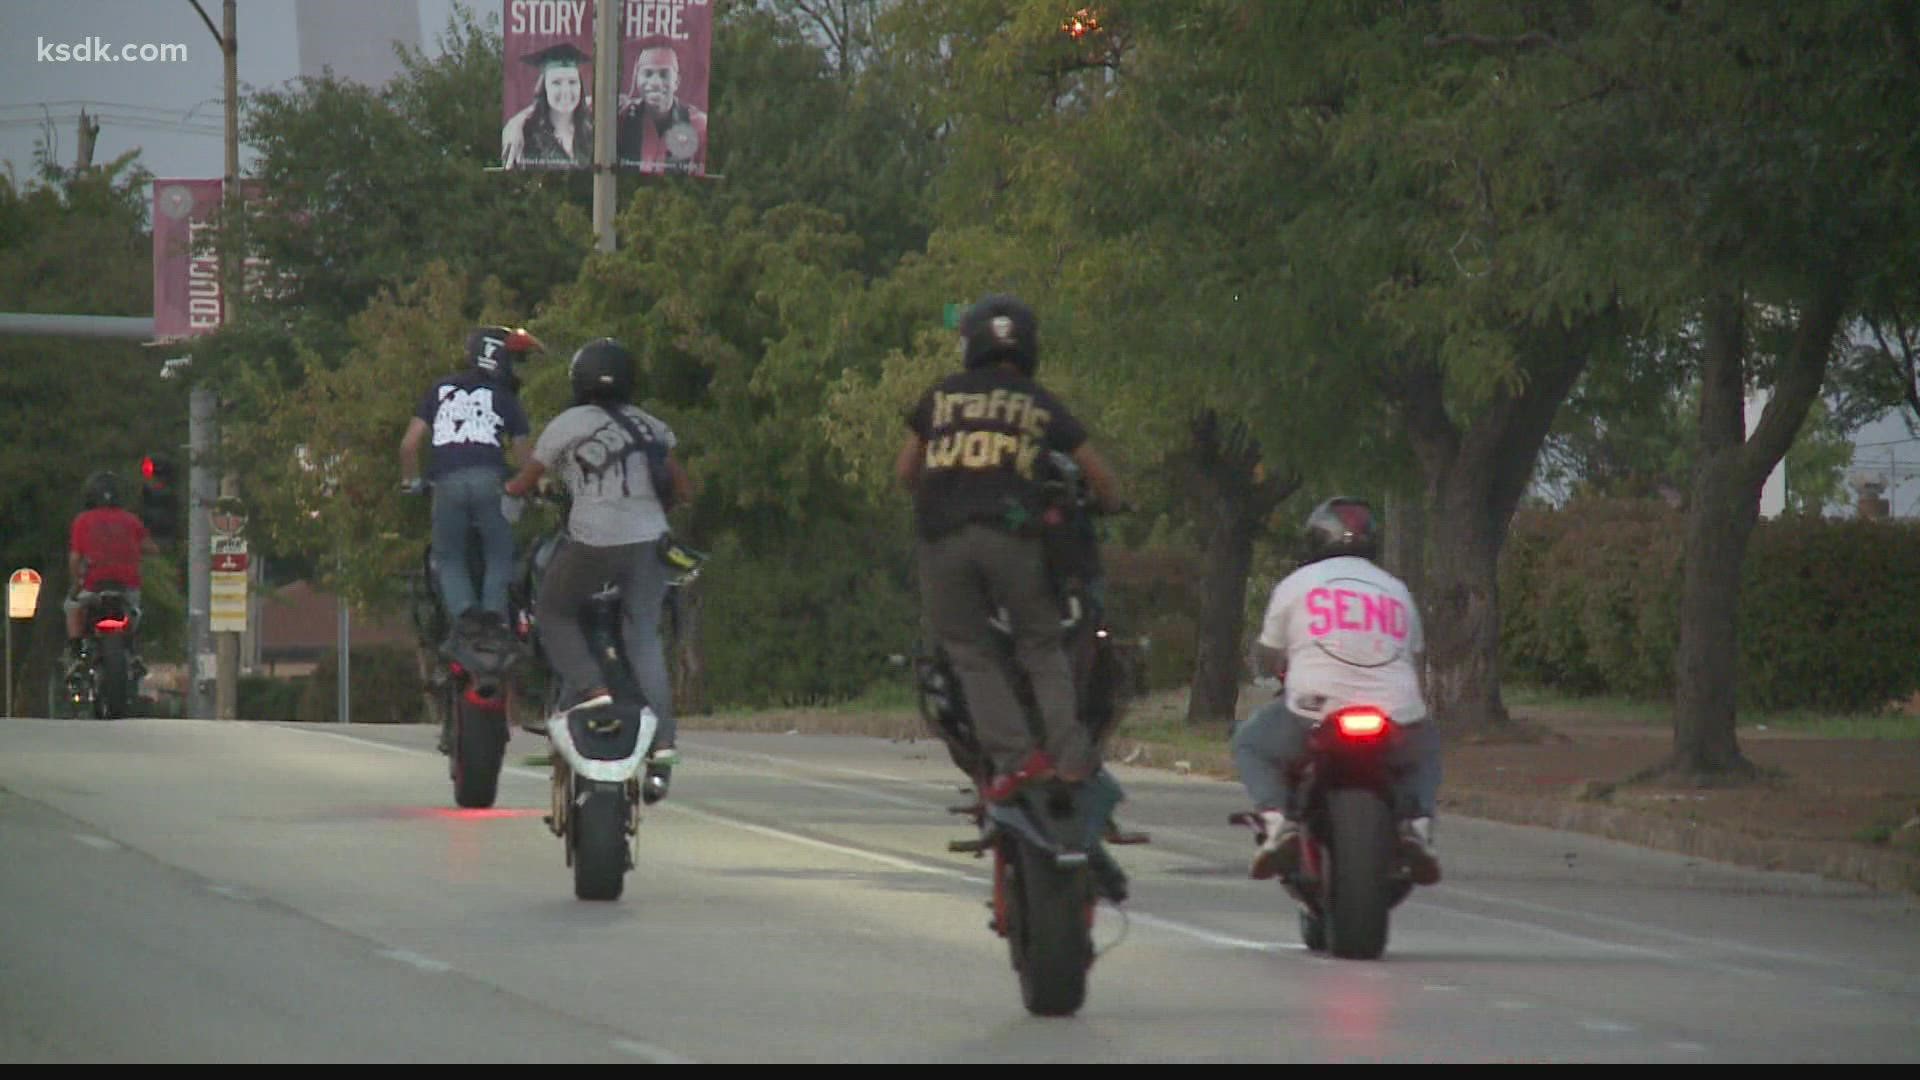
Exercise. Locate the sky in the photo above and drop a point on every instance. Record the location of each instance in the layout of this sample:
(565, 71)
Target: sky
(171, 110)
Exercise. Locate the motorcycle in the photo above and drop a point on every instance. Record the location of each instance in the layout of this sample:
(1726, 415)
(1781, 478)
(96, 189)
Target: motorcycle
(107, 679)
(598, 781)
(1050, 863)
(472, 681)
(1353, 869)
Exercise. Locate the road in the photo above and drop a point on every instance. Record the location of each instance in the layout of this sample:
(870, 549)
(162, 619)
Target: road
(178, 890)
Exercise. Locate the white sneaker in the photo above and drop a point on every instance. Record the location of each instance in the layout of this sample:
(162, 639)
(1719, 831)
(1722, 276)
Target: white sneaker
(1279, 853)
(1416, 846)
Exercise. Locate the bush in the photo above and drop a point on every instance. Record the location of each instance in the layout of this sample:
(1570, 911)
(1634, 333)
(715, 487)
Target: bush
(386, 687)
(1829, 612)
(265, 697)
(1150, 595)
(807, 626)
(1589, 604)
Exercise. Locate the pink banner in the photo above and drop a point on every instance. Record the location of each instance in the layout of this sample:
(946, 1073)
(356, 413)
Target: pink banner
(186, 285)
(547, 97)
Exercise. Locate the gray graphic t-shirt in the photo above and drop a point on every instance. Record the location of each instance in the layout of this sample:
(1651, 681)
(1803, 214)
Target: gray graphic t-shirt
(613, 498)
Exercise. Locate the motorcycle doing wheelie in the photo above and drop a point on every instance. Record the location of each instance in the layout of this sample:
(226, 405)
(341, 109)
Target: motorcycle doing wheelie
(1353, 867)
(1050, 863)
(599, 779)
(472, 680)
(106, 680)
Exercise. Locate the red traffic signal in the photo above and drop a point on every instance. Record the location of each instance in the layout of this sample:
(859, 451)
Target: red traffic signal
(157, 470)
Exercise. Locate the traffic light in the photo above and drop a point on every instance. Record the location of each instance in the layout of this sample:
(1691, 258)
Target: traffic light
(159, 501)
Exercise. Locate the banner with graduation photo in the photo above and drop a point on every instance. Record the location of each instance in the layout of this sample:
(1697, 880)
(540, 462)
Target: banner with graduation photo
(547, 99)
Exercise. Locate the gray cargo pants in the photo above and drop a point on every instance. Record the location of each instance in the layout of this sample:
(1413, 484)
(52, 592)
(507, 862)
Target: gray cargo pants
(965, 578)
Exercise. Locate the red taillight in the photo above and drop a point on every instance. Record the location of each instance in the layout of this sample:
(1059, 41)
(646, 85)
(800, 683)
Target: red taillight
(1361, 723)
(454, 666)
(110, 626)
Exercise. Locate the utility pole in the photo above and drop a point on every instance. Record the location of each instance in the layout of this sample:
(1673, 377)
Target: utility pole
(226, 699)
(204, 485)
(89, 130)
(606, 118)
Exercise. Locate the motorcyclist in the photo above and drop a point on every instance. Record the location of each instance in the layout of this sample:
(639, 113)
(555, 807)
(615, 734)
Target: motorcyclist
(104, 546)
(471, 416)
(617, 462)
(969, 459)
(1340, 631)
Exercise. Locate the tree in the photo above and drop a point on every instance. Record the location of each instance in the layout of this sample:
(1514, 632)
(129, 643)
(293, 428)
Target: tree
(77, 243)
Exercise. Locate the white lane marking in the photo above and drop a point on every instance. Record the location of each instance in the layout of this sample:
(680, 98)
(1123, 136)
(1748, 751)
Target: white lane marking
(651, 1053)
(413, 959)
(99, 842)
(1607, 1027)
(1674, 935)
(231, 893)
(828, 785)
(914, 866)
(950, 788)
(1603, 945)
(1513, 1006)
(1686, 1047)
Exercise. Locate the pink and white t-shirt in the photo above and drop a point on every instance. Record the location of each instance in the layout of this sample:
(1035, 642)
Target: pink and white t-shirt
(1351, 635)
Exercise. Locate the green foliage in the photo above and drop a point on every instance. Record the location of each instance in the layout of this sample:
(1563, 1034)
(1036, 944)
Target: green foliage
(1589, 601)
(812, 622)
(1827, 609)
(265, 697)
(386, 688)
(1589, 597)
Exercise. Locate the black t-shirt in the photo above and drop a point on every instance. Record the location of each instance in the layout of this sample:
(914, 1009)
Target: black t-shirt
(985, 430)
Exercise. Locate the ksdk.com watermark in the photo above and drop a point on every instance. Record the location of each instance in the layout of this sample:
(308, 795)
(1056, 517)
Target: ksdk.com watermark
(94, 50)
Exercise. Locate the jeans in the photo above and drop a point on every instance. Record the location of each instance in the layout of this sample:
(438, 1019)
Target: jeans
(576, 573)
(1267, 743)
(470, 499)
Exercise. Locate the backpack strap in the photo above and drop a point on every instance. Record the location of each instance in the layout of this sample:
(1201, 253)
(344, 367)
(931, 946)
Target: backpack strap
(646, 442)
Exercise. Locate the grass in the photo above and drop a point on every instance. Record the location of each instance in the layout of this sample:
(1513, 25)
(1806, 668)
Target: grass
(1659, 714)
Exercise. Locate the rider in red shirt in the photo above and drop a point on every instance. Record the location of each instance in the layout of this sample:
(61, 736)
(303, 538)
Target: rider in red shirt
(104, 547)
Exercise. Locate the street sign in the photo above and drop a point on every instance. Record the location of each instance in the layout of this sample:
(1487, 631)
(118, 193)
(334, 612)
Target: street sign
(229, 597)
(23, 593)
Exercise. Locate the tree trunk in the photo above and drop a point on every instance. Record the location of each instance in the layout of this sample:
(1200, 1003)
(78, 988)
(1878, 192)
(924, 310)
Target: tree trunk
(1721, 515)
(1475, 476)
(1233, 494)
(686, 661)
(1462, 607)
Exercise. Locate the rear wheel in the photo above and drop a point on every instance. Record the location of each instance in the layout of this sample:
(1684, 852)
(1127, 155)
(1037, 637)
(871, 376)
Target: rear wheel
(115, 684)
(479, 746)
(1358, 892)
(598, 822)
(1050, 928)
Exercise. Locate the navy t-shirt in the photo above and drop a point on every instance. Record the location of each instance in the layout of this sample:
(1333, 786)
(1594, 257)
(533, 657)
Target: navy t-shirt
(469, 416)
(985, 428)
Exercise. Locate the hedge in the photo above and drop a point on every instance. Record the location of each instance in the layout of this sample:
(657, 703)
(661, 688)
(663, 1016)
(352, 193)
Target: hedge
(1589, 604)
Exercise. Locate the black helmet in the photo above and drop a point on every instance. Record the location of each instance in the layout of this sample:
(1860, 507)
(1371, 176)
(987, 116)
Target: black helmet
(102, 489)
(1000, 327)
(1342, 526)
(493, 351)
(602, 370)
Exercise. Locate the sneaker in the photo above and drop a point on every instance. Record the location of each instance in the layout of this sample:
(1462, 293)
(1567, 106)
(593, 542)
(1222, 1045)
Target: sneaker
(1279, 852)
(1038, 766)
(665, 757)
(1416, 846)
